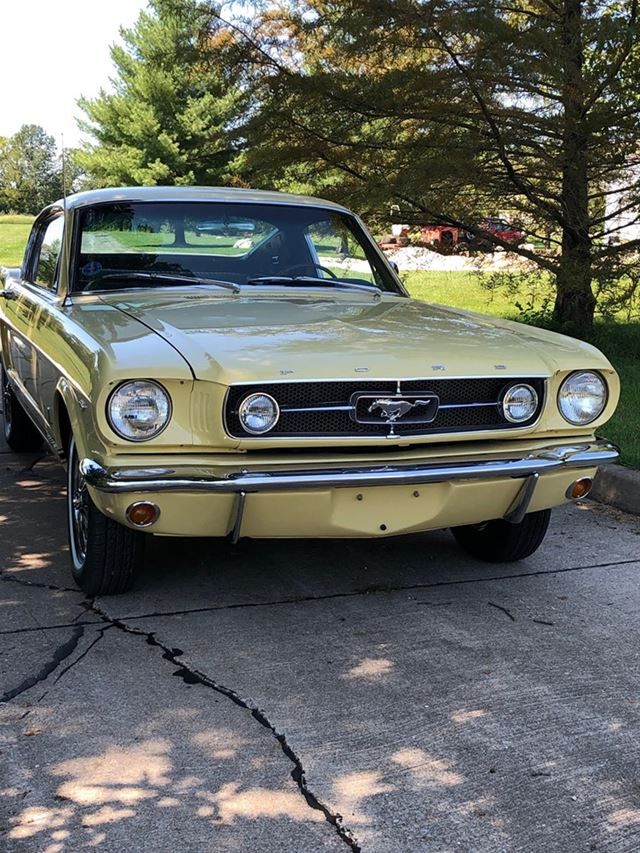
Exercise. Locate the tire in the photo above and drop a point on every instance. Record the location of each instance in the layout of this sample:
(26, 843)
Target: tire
(104, 554)
(20, 432)
(502, 542)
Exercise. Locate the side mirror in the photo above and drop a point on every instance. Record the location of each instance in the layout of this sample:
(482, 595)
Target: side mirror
(9, 275)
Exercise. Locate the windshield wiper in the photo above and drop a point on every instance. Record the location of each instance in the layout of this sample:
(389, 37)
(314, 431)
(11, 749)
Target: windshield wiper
(297, 280)
(168, 277)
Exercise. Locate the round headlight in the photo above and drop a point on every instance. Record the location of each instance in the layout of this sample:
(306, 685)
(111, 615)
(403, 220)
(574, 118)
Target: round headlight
(258, 413)
(519, 403)
(582, 397)
(139, 410)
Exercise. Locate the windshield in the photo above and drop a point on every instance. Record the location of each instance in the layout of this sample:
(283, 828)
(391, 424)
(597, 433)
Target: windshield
(258, 245)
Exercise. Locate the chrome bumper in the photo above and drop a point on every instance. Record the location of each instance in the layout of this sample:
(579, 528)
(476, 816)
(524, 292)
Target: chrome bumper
(538, 462)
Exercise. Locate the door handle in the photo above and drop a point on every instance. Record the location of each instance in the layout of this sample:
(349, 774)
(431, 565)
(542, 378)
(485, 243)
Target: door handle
(8, 293)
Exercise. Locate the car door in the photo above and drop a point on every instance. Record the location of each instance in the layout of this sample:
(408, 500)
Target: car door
(27, 313)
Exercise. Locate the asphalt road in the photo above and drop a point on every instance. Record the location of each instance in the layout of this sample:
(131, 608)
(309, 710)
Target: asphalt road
(304, 696)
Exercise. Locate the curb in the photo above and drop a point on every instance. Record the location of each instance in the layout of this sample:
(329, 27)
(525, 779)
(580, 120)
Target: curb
(618, 487)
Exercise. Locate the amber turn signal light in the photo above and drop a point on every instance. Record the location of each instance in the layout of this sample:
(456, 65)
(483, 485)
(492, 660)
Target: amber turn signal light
(579, 489)
(143, 514)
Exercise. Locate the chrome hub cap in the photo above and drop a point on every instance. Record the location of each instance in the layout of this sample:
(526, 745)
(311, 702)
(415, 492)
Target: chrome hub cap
(79, 510)
(6, 403)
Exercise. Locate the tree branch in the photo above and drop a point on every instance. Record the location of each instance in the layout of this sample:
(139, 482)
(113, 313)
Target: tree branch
(553, 212)
(616, 66)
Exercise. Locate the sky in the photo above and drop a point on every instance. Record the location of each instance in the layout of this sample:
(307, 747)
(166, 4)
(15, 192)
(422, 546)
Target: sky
(52, 53)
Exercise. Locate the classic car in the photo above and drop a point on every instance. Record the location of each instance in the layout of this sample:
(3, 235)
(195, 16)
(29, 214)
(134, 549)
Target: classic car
(276, 387)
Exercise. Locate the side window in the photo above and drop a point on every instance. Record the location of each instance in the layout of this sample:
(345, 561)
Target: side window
(49, 252)
(337, 252)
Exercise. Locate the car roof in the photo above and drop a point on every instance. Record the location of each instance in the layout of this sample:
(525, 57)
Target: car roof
(167, 194)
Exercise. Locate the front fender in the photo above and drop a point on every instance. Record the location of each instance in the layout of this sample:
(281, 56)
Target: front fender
(71, 412)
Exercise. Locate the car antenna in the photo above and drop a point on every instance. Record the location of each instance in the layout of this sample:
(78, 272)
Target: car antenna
(64, 173)
(64, 198)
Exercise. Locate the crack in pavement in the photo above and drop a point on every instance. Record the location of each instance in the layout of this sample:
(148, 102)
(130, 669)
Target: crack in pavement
(61, 653)
(35, 584)
(72, 624)
(371, 590)
(504, 610)
(191, 675)
(73, 663)
(80, 657)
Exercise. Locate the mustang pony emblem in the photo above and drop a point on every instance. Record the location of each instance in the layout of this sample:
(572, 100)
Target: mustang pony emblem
(393, 410)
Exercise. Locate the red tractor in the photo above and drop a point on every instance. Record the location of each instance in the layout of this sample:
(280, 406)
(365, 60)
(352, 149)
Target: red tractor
(444, 238)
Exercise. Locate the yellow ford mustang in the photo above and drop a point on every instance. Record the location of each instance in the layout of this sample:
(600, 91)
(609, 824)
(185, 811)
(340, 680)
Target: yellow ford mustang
(215, 362)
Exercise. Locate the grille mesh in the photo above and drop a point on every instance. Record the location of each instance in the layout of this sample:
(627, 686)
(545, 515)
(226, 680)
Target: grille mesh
(299, 395)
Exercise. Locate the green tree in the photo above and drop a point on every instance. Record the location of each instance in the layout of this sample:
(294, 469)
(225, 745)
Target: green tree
(166, 120)
(30, 170)
(452, 110)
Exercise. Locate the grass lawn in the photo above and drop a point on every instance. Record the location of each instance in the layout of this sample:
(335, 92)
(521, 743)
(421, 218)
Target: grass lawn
(621, 344)
(14, 231)
(459, 289)
(619, 341)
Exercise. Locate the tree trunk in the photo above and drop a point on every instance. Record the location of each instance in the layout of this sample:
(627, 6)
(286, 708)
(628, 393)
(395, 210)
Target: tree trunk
(179, 239)
(575, 301)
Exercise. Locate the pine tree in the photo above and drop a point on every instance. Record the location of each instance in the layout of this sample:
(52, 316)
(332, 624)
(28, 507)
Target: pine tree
(455, 109)
(167, 119)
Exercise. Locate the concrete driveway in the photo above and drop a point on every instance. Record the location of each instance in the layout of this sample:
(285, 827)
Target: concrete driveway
(312, 696)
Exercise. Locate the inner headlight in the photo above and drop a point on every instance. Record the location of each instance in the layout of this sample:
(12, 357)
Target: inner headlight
(258, 413)
(139, 410)
(519, 403)
(582, 397)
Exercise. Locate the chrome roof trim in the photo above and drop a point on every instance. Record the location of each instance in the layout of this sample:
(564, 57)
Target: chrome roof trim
(231, 195)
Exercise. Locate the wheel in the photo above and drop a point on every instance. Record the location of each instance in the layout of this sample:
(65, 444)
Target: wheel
(104, 554)
(20, 432)
(502, 542)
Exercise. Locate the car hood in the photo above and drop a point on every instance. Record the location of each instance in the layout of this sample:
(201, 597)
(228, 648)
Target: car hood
(258, 338)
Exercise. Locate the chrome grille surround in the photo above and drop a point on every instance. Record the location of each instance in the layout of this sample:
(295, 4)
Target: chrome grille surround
(330, 409)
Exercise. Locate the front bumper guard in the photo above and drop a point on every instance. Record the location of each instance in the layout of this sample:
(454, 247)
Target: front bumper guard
(527, 467)
(540, 461)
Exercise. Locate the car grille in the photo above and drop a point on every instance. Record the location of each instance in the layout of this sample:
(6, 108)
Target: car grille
(317, 409)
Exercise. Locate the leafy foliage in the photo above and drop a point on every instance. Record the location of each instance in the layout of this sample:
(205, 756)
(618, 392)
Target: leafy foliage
(453, 110)
(167, 119)
(30, 171)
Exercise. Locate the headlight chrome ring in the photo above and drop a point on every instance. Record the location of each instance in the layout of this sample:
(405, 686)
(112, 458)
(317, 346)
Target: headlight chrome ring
(258, 413)
(139, 409)
(582, 397)
(519, 403)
